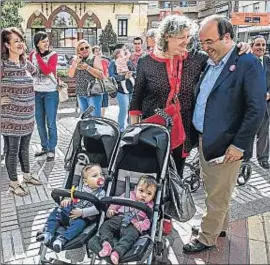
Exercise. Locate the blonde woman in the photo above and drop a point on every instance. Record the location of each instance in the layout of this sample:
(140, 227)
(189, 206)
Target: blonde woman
(85, 68)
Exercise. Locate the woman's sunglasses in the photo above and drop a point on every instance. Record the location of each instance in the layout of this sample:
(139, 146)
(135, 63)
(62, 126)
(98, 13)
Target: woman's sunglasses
(84, 48)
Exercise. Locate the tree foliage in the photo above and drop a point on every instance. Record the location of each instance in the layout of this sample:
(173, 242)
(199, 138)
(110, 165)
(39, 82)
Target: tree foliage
(10, 13)
(108, 37)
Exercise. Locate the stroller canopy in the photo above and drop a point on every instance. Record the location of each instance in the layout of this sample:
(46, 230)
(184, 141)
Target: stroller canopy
(143, 148)
(99, 135)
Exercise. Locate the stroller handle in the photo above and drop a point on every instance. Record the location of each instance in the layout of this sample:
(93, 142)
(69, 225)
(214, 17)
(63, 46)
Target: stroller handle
(129, 203)
(166, 117)
(57, 193)
(88, 112)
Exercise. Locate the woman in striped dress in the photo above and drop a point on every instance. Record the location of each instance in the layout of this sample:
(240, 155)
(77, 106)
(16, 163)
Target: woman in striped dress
(17, 107)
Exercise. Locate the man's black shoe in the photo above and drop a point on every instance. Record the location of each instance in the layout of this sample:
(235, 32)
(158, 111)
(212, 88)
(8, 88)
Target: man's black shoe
(195, 246)
(264, 164)
(195, 232)
(40, 153)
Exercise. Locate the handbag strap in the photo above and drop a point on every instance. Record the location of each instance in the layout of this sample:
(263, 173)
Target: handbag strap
(53, 78)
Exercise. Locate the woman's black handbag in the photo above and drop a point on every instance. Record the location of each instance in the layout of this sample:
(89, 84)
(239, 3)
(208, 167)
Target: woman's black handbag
(110, 84)
(101, 86)
(95, 87)
(179, 205)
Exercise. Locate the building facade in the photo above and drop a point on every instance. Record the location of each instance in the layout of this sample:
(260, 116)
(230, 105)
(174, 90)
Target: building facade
(68, 21)
(158, 9)
(246, 32)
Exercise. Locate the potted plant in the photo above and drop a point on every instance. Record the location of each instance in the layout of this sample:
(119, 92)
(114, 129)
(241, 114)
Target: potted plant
(62, 74)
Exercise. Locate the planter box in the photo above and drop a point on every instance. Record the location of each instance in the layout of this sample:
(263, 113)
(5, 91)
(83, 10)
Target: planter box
(71, 85)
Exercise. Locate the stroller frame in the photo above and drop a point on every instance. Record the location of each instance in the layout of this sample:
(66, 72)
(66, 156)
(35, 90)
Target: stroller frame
(156, 235)
(70, 167)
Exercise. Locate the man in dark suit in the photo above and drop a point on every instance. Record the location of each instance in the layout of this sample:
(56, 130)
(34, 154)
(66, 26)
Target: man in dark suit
(229, 109)
(258, 46)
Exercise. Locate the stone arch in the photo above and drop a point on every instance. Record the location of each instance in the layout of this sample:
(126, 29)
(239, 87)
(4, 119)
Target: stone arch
(62, 8)
(35, 15)
(93, 16)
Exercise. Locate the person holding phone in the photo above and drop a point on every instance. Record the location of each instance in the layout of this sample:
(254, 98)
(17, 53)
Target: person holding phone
(86, 67)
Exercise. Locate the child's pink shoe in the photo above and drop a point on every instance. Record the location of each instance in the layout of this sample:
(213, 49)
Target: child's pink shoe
(106, 250)
(115, 258)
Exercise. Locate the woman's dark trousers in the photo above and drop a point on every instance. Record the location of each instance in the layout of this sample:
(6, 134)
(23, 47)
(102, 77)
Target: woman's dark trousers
(17, 146)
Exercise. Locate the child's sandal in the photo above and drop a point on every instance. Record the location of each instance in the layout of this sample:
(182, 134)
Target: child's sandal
(32, 180)
(16, 190)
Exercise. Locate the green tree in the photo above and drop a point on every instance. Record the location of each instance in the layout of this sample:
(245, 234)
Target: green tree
(10, 13)
(108, 37)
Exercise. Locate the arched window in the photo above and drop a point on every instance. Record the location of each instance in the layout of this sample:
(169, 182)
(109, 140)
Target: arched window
(64, 30)
(90, 31)
(37, 25)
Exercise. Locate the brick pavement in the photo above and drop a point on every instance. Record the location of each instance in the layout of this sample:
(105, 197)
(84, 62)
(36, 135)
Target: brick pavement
(21, 218)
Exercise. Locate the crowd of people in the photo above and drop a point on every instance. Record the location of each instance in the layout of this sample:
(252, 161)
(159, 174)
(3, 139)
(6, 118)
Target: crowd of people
(223, 89)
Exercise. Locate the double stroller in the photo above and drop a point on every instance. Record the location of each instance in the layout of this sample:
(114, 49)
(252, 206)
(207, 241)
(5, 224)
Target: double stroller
(142, 149)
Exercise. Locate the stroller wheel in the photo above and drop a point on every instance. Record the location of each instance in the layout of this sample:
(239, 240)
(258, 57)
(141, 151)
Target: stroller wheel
(161, 253)
(193, 181)
(197, 171)
(245, 174)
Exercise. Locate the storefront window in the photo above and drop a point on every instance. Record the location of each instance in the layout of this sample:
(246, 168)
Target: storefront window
(64, 31)
(90, 31)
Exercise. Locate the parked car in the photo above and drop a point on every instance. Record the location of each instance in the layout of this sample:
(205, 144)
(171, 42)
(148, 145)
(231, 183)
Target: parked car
(62, 62)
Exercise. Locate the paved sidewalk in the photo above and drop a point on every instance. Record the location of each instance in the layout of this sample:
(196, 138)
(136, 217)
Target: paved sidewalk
(21, 218)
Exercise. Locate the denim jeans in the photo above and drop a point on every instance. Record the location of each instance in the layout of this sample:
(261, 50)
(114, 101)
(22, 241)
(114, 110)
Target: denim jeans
(60, 217)
(95, 101)
(17, 146)
(46, 112)
(123, 102)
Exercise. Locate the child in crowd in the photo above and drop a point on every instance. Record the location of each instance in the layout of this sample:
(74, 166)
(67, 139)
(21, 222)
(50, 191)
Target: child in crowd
(121, 60)
(75, 214)
(129, 225)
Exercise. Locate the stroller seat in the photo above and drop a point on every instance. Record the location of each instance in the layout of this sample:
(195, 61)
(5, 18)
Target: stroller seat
(94, 141)
(138, 253)
(82, 159)
(80, 240)
(144, 245)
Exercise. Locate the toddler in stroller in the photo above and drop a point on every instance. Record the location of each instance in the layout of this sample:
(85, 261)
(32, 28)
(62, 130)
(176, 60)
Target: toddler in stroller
(144, 149)
(74, 214)
(94, 141)
(127, 225)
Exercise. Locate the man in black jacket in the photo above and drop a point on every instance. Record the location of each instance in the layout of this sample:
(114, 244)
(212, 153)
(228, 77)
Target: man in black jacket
(258, 46)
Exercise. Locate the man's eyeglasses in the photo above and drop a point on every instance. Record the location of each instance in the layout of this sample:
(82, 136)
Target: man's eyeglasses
(84, 48)
(209, 42)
